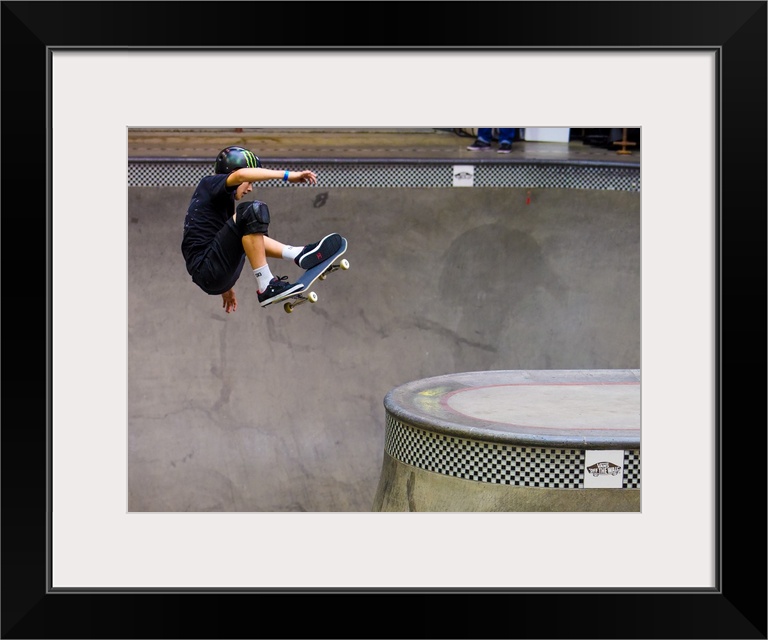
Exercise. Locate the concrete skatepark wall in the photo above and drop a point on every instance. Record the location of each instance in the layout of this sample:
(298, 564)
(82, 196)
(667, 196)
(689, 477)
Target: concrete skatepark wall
(266, 411)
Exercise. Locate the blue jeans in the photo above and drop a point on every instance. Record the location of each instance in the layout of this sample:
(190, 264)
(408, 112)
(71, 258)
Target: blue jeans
(505, 134)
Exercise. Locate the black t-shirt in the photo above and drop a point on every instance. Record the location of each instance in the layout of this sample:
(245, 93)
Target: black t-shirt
(212, 204)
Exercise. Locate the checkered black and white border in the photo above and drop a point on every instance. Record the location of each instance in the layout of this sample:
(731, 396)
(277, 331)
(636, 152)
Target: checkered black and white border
(493, 462)
(181, 173)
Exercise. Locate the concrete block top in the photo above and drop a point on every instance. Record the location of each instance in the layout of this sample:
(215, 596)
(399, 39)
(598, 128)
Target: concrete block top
(590, 409)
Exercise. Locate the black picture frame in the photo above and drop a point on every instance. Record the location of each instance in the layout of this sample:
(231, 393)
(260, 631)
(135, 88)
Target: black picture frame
(735, 609)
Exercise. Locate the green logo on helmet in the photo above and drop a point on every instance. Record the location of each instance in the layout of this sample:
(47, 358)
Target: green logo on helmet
(250, 159)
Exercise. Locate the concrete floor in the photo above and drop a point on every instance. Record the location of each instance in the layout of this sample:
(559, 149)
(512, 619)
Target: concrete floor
(392, 143)
(261, 410)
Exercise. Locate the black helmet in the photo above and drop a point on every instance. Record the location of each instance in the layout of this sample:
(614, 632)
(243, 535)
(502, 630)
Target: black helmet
(233, 158)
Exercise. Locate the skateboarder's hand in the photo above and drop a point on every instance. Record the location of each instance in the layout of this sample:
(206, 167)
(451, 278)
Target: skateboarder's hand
(229, 302)
(302, 176)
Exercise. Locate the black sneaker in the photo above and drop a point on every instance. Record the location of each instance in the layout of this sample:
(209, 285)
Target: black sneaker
(505, 147)
(479, 145)
(277, 289)
(313, 254)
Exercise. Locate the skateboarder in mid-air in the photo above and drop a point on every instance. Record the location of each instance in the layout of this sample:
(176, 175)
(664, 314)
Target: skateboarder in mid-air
(218, 236)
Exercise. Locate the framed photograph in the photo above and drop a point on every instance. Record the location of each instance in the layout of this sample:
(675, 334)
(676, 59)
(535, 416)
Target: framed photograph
(77, 563)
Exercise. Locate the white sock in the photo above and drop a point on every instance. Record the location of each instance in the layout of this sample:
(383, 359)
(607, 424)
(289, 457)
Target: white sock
(263, 276)
(289, 253)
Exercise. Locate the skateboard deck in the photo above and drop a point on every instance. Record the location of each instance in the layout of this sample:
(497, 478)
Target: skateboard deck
(308, 278)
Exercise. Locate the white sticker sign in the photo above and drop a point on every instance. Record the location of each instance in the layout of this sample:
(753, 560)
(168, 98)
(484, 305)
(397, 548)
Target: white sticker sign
(463, 175)
(603, 469)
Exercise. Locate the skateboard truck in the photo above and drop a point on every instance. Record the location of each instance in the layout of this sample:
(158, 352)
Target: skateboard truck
(311, 296)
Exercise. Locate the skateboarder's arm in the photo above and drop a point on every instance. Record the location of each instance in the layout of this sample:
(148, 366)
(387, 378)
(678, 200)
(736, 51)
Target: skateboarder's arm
(258, 174)
(229, 302)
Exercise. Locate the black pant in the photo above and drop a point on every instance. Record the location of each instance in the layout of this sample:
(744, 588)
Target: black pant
(217, 270)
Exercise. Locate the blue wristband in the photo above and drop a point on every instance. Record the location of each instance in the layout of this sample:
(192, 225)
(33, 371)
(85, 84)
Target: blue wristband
(285, 176)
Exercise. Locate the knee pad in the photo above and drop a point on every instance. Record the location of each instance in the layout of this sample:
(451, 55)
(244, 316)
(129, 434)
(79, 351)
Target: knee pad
(252, 217)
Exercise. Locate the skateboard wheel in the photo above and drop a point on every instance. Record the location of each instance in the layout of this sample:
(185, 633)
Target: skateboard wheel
(288, 307)
(345, 264)
(323, 276)
(312, 296)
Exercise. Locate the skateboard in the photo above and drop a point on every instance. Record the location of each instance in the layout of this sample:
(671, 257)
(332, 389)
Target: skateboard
(308, 278)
